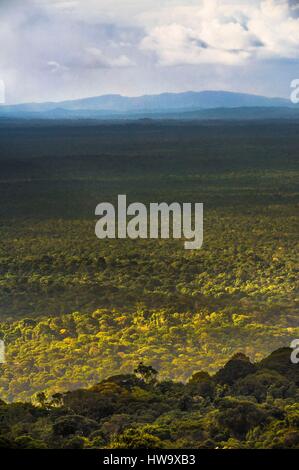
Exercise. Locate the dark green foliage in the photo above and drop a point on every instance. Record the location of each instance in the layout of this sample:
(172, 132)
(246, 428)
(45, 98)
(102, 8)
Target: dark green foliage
(276, 361)
(239, 366)
(73, 424)
(129, 412)
(239, 416)
(263, 383)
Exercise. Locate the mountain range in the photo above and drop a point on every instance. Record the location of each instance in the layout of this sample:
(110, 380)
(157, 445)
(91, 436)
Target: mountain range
(187, 105)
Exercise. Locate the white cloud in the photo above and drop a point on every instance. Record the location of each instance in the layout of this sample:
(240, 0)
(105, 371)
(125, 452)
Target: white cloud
(93, 58)
(277, 29)
(55, 67)
(176, 45)
(225, 33)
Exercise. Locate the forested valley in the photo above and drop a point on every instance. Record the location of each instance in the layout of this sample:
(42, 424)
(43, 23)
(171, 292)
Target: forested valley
(76, 311)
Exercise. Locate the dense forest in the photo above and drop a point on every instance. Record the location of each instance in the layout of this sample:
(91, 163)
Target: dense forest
(75, 310)
(244, 405)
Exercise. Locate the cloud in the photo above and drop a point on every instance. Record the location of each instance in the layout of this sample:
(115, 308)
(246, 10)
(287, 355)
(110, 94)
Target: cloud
(228, 33)
(93, 58)
(55, 67)
(177, 45)
(294, 6)
(68, 48)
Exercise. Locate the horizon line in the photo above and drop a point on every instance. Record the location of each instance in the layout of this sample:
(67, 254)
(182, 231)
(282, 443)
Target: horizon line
(142, 95)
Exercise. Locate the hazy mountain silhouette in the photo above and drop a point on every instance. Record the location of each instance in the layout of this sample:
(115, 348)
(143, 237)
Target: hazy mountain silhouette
(173, 105)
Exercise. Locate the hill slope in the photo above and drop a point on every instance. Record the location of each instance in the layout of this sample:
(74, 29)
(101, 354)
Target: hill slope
(244, 405)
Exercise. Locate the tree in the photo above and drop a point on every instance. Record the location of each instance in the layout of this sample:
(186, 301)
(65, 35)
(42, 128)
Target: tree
(136, 439)
(41, 399)
(146, 373)
(239, 366)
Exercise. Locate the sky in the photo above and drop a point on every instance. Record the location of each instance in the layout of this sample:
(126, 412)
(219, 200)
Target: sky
(51, 50)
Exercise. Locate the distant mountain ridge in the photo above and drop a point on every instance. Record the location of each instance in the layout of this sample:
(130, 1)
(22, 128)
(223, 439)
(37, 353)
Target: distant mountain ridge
(171, 104)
